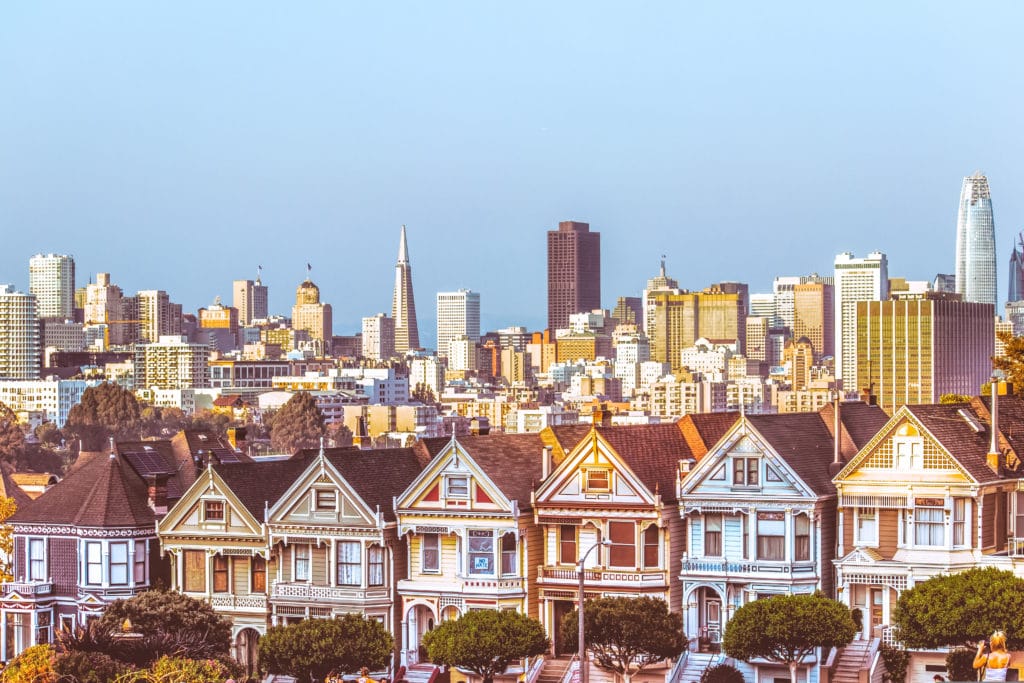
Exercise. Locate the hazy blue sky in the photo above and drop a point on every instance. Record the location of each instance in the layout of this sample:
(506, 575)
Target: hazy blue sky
(179, 144)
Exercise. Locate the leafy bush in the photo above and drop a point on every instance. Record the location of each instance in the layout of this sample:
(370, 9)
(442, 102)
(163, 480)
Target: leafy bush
(88, 667)
(960, 665)
(33, 665)
(721, 673)
(896, 662)
(181, 669)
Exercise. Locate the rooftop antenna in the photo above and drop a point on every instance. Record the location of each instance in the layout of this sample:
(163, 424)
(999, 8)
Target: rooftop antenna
(663, 265)
(259, 273)
(309, 269)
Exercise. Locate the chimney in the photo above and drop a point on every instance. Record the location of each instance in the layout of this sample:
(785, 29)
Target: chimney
(994, 454)
(837, 439)
(237, 438)
(361, 439)
(474, 427)
(157, 492)
(602, 417)
(545, 462)
(867, 397)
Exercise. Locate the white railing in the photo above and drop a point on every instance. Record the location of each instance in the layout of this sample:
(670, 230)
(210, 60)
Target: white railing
(534, 669)
(256, 601)
(28, 587)
(677, 668)
(567, 676)
(305, 591)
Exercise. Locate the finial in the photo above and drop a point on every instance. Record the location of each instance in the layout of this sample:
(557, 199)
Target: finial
(321, 446)
(113, 449)
(126, 627)
(663, 265)
(259, 273)
(309, 269)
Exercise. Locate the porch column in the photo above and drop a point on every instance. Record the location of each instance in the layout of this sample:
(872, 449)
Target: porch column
(35, 625)
(209, 574)
(788, 557)
(752, 533)
(332, 564)
(3, 634)
(840, 551)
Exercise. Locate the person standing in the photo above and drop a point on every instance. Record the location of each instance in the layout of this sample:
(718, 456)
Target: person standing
(996, 661)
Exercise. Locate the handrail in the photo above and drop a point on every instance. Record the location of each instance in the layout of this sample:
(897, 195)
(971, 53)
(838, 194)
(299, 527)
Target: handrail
(434, 674)
(533, 671)
(677, 668)
(567, 676)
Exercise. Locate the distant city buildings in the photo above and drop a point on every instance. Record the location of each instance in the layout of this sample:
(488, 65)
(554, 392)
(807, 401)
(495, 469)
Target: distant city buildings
(856, 279)
(51, 279)
(403, 303)
(19, 335)
(250, 298)
(574, 272)
(311, 315)
(976, 243)
(378, 337)
(458, 315)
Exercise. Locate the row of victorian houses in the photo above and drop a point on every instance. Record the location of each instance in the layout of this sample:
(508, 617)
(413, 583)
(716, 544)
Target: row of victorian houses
(709, 513)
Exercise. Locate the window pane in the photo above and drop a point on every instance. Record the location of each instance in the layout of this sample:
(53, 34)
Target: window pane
(567, 544)
(375, 558)
(481, 552)
(195, 571)
(713, 535)
(259, 575)
(508, 554)
(349, 563)
(622, 552)
(651, 545)
(431, 556)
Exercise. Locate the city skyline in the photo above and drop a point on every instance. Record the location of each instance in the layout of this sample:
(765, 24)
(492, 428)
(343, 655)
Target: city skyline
(182, 152)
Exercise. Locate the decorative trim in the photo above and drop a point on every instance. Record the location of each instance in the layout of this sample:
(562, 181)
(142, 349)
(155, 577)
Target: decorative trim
(29, 529)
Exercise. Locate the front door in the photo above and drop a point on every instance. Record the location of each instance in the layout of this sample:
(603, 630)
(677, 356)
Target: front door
(561, 609)
(713, 619)
(877, 609)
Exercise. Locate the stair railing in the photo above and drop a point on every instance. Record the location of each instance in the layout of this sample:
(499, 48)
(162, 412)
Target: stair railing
(534, 669)
(677, 668)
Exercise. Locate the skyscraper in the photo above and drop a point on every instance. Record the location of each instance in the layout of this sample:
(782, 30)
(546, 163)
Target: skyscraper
(976, 243)
(574, 272)
(856, 279)
(458, 315)
(814, 316)
(660, 283)
(19, 335)
(919, 347)
(403, 304)
(250, 298)
(51, 278)
(1015, 290)
(311, 315)
(157, 315)
(378, 337)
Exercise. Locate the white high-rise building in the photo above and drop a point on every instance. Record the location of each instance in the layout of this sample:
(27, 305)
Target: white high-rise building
(856, 279)
(52, 397)
(458, 315)
(462, 354)
(976, 242)
(19, 335)
(378, 337)
(172, 363)
(51, 278)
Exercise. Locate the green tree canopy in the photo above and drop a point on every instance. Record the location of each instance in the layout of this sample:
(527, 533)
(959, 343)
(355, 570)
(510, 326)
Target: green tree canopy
(787, 628)
(12, 439)
(311, 649)
(1012, 360)
(961, 609)
(626, 634)
(298, 424)
(157, 614)
(486, 641)
(105, 410)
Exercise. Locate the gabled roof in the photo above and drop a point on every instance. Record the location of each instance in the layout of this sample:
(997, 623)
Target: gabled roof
(188, 443)
(376, 475)
(157, 457)
(511, 461)
(703, 430)
(259, 485)
(860, 423)
(966, 444)
(804, 440)
(104, 491)
(10, 488)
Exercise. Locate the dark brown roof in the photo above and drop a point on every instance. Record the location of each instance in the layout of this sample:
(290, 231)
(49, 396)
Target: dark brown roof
(970, 446)
(12, 490)
(103, 491)
(860, 424)
(377, 475)
(259, 485)
(193, 448)
(511, 461)
(158, 457)
(804, 441)
(703, 430)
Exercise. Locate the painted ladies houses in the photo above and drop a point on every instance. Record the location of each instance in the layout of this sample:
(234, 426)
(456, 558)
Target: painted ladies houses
(216, 539)
(930, 495)
(471, 537)
(334, 538)
(760, 514)
(617, 485)
(88, 540)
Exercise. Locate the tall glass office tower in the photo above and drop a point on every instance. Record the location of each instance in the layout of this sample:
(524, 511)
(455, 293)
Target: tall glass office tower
(976, 242)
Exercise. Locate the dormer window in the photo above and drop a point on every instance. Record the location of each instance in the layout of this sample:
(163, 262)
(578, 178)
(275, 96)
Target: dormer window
(457, 487)
(597, 480)
(213, 510)
(326, 500)
(745, 472)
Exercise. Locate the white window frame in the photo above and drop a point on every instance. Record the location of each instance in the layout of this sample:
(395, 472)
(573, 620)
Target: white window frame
(355, 572)
(40, 543)
(140, 560)
(448, 486)
(317, 493)
(223, 510)
(423, 554)
(128, 563)
(307, 559)
(90, 563)
(865, 513)
(746, 460)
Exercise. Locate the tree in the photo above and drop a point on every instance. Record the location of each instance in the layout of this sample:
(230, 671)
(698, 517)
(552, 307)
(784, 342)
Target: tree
(339, 435)
(486, 641)
(946, 399)
(170, 623)
(298, 424)
(12, 439)
(1012, 360)
(961, 609)
(627, 634)
(312, 649)
(787, 628)
(7, 508)
(424, 394)
(105, 410)
(48, 434)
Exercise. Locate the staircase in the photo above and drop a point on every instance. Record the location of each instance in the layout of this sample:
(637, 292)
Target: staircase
(554, 669)
(853, 659)
(696, 663)
(420, 673)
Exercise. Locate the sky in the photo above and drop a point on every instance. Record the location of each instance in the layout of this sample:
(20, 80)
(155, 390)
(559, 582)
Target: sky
(178, 145)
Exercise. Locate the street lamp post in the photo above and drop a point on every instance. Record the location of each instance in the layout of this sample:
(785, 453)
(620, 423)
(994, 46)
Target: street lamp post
(583, 647)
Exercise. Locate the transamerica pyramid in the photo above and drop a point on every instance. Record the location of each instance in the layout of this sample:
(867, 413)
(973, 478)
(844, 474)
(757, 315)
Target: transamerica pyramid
(403, 305)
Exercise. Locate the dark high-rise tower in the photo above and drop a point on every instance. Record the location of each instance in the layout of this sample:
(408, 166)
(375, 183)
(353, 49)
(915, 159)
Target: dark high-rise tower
(403, 305)
(574, 272)
(1015, 292)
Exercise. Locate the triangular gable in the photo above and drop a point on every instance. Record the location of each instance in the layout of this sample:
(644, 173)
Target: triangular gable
(712, 475)
(861, 556)
(593, 470)
(453, 481)
(186, 516)
(878, 460)
(321, 495)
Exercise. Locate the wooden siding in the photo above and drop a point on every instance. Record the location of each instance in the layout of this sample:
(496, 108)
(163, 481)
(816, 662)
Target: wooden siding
(319, 562)
(827, 520)
(159, 566)
(888, 532)
(396, 552)
(531, 553)
(62, 557)
(20, 563)
(240, 575)
(988, 520)
(848, 520)
(673, 551)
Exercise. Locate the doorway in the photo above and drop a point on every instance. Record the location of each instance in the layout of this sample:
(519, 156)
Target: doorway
(561, 609)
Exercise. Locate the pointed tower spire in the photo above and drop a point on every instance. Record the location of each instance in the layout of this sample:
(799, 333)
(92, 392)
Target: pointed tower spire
(403, 305)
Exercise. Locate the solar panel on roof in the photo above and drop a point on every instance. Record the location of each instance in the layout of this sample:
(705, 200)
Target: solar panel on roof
(147, 462)
(226, 456)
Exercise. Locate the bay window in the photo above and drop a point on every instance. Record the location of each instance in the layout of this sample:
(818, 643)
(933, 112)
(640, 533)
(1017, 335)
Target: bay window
(94, 563)
(350, 563)
(481, 552)
(712, 535)
(928, 523)
(195, 571)
(375, 565)
(622, 551)
(652, 546)
(430, 550)
(37, 559)
(867, 526)
(259, 575)
(220, 574)
(771, 536)
(959, 521)
(118, 564)
(139, 571)
(801, 537)
(301, 562)
(567, 544)
(508, 554)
